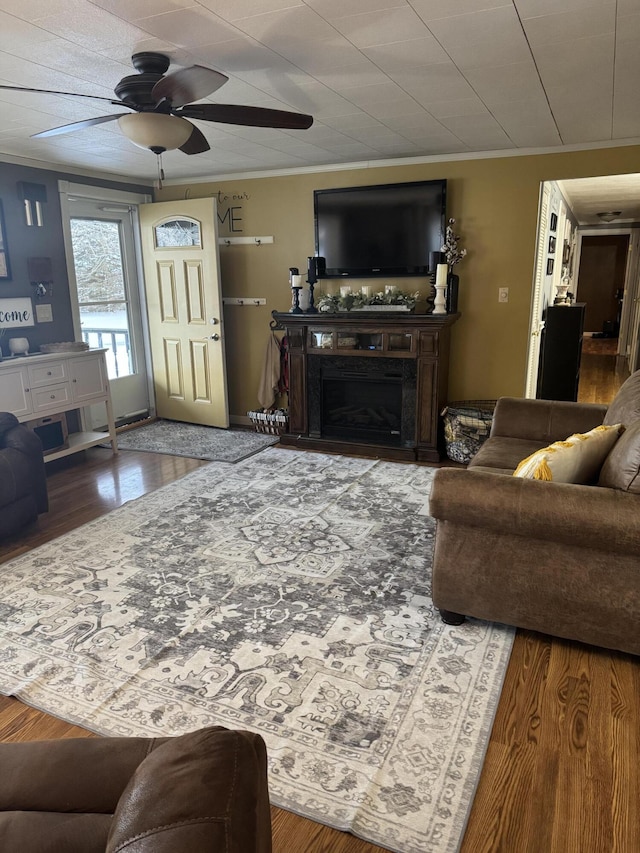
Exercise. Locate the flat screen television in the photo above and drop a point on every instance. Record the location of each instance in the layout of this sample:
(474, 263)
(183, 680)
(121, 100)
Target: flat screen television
(380, 230)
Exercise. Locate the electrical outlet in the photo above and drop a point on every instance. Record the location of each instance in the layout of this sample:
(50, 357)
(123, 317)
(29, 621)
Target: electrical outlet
(503, 294)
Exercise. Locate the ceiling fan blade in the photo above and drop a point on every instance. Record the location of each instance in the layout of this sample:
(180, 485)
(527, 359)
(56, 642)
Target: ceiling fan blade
(54, 92)
(252, 116)
(188, 84)
(196, 143)
(76, 125)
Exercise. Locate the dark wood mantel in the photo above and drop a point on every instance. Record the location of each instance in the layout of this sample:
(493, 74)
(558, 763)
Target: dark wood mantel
(423, 338)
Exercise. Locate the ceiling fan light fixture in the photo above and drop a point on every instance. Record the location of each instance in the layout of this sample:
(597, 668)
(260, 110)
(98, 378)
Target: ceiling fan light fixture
(157, 132)
(609, 215)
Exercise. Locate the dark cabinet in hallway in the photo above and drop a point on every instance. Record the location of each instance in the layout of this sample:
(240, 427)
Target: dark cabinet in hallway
(560, 352)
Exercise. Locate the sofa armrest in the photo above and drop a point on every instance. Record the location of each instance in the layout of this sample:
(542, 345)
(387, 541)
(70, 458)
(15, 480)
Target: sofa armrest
(586, 516)
(203, 791)
(544, 420)
(25, 441)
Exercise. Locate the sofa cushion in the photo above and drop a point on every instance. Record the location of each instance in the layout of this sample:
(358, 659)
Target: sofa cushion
(625, 408)
(501, 454)
(621, 469)
(578, 459)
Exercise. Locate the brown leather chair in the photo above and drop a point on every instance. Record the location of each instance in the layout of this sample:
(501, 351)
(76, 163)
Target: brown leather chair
(203, 791)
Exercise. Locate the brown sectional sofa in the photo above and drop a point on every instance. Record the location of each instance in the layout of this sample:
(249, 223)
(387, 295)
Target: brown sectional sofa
(559, 558)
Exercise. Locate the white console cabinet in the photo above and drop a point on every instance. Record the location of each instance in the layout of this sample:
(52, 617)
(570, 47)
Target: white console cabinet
(39, 385)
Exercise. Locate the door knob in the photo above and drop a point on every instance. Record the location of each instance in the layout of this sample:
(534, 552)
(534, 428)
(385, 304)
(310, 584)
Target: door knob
(215, 337)
(213, 321)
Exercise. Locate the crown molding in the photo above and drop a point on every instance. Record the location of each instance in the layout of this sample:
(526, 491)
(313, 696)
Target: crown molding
(403, 161)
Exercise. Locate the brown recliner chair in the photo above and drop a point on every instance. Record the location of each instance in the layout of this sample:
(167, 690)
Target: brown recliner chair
(23, 482)
(203, 791)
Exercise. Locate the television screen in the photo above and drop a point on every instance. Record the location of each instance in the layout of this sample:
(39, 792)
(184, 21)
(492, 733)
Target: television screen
(381, 230)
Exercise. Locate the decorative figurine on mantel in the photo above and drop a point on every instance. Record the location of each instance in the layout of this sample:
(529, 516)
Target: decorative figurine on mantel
(453, 256)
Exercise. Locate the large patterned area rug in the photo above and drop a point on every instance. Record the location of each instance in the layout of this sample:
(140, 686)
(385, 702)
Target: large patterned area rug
(198, 442)
(288, 595)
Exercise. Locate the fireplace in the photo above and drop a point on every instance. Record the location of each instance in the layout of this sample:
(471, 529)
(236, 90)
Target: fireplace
(362, 399)
(371, 383)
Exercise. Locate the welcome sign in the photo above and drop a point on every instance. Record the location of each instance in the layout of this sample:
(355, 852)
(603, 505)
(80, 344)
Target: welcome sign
(16, 312)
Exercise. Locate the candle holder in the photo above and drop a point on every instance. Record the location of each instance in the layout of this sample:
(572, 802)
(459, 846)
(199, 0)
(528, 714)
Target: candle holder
(312, 308)
(440, 304)
(295, 301)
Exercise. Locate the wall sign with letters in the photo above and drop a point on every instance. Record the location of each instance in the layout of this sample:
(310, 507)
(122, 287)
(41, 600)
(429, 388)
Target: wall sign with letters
(230, 210)
(16, 312)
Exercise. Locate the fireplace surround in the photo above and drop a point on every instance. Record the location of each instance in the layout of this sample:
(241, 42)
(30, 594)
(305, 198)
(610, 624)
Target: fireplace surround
(367, 382)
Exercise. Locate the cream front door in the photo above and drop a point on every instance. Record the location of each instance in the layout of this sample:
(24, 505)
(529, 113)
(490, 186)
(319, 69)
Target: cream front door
(184, 305)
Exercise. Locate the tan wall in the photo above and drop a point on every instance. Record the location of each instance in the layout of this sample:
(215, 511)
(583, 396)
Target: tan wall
(495, 203)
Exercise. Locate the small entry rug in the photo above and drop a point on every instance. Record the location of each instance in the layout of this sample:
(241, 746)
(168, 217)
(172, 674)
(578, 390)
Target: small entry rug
(198, 442)
(290, 595)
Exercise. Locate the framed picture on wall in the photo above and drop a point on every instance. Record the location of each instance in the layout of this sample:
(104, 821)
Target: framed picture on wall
(552, 245)
(5, 269)
(566, 252)
(554, 222)
(549, 266)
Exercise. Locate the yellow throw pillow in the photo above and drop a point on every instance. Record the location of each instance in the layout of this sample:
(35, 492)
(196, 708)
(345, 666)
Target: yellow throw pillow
(576, 460)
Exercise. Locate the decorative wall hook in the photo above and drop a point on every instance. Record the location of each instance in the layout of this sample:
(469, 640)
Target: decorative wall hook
(258, 241)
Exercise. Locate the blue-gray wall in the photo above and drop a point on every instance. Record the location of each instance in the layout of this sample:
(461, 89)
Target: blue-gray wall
(23, 242)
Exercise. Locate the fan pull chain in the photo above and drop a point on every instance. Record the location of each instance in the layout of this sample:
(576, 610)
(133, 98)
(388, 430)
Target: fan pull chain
(160, 170)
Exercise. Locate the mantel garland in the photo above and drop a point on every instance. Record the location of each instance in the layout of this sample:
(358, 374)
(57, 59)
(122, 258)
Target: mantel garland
(332, 302)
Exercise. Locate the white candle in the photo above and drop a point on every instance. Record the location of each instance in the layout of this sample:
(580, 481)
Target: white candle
(296, 281)
(345, 289)
(366, 290)
(441, 275)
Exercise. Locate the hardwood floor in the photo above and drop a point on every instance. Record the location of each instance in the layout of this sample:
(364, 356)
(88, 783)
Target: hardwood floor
(601, 371)
(561, 771)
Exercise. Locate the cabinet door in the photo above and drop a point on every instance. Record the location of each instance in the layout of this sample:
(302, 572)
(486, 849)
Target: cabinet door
(88, 378)
(14, 392)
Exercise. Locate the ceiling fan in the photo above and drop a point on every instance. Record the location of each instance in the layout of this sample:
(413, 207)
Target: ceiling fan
(160, 107)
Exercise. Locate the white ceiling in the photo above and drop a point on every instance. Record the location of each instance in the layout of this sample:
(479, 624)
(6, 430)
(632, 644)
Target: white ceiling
(382, 78)
(617, 193)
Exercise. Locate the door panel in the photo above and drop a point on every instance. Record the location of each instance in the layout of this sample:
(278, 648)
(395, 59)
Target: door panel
(195, 292)
(184, 300)
(173, 368)
(168, 295)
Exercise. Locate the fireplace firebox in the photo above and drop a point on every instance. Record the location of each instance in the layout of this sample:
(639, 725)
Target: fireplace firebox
(362, 399)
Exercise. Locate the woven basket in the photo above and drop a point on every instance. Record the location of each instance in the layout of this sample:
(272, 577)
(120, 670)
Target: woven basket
(467, 424)
(65, 346)
(273, 423)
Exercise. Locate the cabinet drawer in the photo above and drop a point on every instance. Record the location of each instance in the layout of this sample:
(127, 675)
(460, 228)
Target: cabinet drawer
(50, 398)
(47, 374)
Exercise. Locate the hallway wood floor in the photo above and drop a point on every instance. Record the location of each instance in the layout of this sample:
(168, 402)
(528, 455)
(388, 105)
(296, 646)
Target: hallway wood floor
(561, 771)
